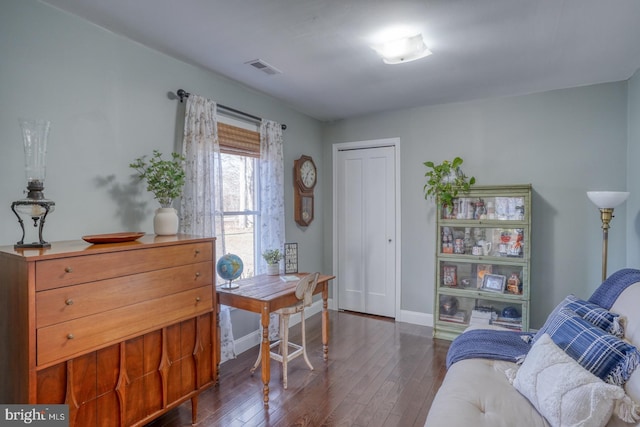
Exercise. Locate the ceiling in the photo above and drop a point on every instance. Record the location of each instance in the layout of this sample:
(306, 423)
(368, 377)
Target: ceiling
(481, 48)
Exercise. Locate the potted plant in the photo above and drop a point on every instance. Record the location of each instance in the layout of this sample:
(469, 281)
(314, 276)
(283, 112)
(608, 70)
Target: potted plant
(272, 257)
(445, 181)
(165, 179)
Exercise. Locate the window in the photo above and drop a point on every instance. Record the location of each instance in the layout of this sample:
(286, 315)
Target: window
(240, 152)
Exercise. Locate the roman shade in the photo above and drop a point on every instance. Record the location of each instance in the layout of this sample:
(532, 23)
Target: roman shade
(239, 141)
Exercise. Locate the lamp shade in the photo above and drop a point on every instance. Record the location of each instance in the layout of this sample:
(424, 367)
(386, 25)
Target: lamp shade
(607, 199)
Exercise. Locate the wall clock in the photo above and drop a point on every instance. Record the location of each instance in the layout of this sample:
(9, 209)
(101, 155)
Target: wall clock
(305, 176)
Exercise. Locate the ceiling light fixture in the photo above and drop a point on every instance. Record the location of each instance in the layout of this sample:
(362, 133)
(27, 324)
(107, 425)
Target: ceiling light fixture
(402, 50)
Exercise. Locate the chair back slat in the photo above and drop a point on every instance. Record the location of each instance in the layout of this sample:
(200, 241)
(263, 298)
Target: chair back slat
(305, 288)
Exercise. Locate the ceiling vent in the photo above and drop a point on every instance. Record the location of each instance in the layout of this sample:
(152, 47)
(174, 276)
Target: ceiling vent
(259, 64)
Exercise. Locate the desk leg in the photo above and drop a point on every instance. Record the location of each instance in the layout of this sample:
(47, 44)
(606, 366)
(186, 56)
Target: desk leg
(217, 354)
(325, 322)
(266, 368)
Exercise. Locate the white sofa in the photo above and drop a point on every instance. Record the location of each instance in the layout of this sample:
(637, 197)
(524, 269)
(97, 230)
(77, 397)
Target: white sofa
(476, 392)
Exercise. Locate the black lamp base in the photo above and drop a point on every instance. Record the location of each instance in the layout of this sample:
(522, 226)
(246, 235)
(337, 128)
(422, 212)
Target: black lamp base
(34, 245)
(47, 206)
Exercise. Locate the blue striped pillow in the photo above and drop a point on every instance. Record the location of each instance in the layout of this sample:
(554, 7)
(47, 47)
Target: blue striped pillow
(594, 314)
(602, 354)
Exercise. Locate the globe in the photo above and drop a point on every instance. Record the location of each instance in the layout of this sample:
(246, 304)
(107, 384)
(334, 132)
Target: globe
(229, 267)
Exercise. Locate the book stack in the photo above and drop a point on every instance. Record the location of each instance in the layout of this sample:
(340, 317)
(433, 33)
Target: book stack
(509, 323)
(459, 317)
(480, 317)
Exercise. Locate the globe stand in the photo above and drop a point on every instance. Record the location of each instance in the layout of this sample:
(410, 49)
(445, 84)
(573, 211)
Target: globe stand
(229, 268)
(229, 285)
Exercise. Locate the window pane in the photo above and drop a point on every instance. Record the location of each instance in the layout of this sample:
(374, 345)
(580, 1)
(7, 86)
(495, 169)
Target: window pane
(239, 240)
(238, 176)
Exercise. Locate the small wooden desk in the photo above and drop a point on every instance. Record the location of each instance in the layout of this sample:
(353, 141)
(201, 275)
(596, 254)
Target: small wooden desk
(265, 294)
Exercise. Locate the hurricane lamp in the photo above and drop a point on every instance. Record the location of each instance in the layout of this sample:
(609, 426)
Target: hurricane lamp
(35, 206)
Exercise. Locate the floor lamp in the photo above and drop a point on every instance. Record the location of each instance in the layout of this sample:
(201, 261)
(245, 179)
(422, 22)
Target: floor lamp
(606, 201)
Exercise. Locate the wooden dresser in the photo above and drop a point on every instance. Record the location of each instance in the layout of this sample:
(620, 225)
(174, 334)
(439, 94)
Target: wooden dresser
(121, 332)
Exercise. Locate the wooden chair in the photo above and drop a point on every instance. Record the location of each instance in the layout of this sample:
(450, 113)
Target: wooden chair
(304, 293)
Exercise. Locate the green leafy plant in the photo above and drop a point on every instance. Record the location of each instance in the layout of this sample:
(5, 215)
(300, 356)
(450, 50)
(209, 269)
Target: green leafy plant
(446, 180)
(272, 256)
(165, 178)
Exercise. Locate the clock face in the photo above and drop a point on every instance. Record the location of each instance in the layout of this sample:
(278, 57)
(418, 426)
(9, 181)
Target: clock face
(308, 173)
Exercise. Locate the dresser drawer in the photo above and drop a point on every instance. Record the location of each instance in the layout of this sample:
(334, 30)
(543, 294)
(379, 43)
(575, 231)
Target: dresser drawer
(74, 337)
(55, 273)
(72, 302)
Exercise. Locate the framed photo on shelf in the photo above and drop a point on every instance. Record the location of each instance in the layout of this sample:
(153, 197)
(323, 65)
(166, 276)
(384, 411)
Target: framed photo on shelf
(290, 258)
(494, 282)
(483, 269)
(450, 275)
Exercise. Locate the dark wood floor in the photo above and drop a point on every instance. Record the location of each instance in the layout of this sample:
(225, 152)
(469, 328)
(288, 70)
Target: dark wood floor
(379, 373)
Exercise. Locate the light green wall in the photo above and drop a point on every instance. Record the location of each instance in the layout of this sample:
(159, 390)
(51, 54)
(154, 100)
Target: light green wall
(107, 99)
(563, 142)
(633, 174)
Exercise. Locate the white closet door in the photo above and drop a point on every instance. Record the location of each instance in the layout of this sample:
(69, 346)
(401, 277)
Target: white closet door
(366, 230)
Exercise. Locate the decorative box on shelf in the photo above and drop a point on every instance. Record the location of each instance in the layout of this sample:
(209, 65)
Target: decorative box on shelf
(483, 260)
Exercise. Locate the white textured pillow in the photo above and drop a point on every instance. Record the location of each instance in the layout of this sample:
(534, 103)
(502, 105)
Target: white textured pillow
(564, 392)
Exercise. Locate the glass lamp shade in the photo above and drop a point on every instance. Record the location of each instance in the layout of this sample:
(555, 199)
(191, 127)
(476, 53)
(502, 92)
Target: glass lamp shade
(607, 199)
(34, 137)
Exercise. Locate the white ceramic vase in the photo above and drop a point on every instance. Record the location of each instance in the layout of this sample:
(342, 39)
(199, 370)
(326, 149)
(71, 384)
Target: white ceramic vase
(165, 222)
(273, 269)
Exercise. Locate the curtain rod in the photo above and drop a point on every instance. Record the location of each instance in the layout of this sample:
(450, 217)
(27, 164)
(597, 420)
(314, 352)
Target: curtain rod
(184, 94)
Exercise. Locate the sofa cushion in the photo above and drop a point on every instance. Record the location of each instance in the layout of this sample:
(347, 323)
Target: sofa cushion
(564, 392)
(476, 392)
(602, 354)
(604, 319)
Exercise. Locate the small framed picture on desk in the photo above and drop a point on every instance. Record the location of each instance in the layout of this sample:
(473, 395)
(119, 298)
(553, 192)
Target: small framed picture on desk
(290, 258)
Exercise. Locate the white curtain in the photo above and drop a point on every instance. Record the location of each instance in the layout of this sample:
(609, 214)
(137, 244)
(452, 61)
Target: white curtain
(201, 203)
(271, 185)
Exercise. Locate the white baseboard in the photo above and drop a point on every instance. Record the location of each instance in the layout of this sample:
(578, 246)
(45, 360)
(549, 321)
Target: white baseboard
(253, 339)
(247, 342)
(416, 318)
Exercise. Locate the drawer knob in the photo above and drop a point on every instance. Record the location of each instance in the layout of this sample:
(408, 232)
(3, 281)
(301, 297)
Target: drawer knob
(70, 336)
(197, 251)
(197, 274)
(68, 270)
(197, 299)
(69, 301)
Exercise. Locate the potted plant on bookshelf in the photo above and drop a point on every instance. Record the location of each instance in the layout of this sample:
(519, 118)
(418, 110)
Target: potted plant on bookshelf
(445, 181)
(165, 179)
(272, 257)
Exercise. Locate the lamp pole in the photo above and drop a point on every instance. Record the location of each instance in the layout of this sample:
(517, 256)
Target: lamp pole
(606, 201)
(606, 214)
